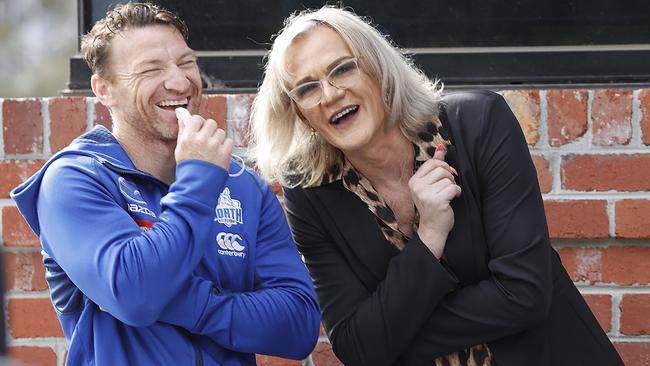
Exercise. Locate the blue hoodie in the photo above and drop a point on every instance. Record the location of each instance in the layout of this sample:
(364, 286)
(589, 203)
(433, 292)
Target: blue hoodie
(202, 272)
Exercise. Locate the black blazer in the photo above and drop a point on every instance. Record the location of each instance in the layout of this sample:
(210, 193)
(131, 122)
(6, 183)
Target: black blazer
(503, 285)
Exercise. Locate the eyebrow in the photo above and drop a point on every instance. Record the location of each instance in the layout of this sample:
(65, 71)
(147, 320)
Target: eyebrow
(154, 61)
(331, 66)
(188, 53)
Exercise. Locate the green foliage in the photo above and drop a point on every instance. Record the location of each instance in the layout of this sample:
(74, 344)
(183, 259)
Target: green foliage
(37, 38)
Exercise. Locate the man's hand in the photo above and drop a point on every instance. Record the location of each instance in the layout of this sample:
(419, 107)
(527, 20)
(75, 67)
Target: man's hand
(201, 139)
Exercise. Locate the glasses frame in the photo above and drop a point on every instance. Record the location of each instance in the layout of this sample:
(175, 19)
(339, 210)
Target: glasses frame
(292, 93)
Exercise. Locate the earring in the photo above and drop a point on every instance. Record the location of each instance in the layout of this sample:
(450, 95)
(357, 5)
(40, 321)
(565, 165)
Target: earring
(312, 134)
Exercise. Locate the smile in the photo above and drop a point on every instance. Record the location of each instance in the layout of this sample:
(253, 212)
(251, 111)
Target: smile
(345, 113)
(173, 104)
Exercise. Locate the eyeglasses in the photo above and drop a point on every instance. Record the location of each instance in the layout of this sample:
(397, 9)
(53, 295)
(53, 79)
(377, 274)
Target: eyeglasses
(343, 76)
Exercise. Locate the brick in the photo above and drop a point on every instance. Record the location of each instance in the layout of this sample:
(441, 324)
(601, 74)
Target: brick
(324, 356)
(634, 314)
(644, 103)
(15, 172)
(67, 120)
(634, 353)
(263, 360)
(239, 108)
(601, 306)
(23, 126)
(525, 106)
(626, 265)
(582, 264)
(15, 231)
(102, 116)
(577, 219)
(42, 356)
(611, 116)
(632, 219)
(621, 172)
(31, 318)
(544, 175)
(24, 271)
(214, 107)
(567, 115)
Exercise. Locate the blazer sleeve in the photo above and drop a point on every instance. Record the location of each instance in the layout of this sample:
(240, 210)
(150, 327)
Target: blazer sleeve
(517, 294)
(366, 327)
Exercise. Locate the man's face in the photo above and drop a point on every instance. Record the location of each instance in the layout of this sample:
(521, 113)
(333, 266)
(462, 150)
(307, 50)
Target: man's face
(153, 72)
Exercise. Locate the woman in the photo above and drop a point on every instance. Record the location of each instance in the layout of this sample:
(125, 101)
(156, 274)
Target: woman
(418, 215)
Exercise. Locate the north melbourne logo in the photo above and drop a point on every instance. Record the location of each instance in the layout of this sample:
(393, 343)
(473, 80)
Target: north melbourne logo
(230, 245)
(228, 211)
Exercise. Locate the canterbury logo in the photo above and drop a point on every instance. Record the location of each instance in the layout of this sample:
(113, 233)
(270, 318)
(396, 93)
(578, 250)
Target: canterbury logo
(229, 241)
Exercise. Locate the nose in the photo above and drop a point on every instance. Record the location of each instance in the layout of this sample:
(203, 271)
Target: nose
(330, 93)
(176, 80)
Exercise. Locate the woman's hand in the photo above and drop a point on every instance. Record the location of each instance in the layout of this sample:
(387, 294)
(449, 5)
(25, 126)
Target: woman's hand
(432, 189)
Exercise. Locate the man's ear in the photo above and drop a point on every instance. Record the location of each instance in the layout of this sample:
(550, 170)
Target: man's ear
(102, 89)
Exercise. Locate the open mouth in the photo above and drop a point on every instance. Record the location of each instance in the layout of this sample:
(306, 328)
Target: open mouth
(344, 115)
(171, 105)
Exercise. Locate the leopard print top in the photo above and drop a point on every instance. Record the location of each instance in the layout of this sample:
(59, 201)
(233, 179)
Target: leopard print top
(425, 146)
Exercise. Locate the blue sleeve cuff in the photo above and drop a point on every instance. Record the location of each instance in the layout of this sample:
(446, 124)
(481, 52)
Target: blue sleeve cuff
(201, 180)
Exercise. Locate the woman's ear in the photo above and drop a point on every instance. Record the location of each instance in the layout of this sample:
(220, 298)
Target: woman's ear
(302, 117)
(102, 89)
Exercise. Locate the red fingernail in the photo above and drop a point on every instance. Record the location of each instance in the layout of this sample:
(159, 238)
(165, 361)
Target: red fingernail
(453, 171)
(441, 147)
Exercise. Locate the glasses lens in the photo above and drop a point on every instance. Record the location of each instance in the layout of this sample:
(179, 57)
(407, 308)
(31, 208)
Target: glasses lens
(345, 75)
(307, 94)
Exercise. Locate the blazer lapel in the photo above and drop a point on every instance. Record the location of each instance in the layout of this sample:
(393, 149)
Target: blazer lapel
(461, 248)
(358, 228)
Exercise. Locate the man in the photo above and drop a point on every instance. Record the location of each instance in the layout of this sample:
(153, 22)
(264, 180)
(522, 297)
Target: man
(154, 255)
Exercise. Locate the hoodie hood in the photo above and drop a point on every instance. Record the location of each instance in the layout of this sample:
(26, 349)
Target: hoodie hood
(98, 143)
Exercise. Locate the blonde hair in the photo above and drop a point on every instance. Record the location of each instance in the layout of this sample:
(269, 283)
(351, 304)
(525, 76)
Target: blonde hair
(285, 150)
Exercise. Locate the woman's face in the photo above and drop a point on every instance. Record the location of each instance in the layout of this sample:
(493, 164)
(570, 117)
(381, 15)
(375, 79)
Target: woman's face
(349, 119)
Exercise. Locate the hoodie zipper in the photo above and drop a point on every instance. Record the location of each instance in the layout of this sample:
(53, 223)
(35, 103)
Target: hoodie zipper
(136, 173)
(198, 356)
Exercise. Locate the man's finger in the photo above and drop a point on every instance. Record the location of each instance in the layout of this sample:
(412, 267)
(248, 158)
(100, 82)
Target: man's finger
(209, 127)
(181, 126)
(182, 114)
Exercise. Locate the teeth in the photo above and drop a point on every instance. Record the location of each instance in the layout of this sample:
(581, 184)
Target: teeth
(172, 103)
(343, 113)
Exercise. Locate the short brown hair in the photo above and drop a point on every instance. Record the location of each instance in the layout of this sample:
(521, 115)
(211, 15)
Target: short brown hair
(95, 45)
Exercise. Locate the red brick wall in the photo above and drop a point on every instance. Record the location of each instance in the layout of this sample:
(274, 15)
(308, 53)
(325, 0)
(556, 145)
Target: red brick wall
(591, 148)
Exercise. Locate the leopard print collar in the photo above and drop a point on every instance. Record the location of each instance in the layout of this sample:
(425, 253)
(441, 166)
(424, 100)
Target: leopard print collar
(424, 147)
